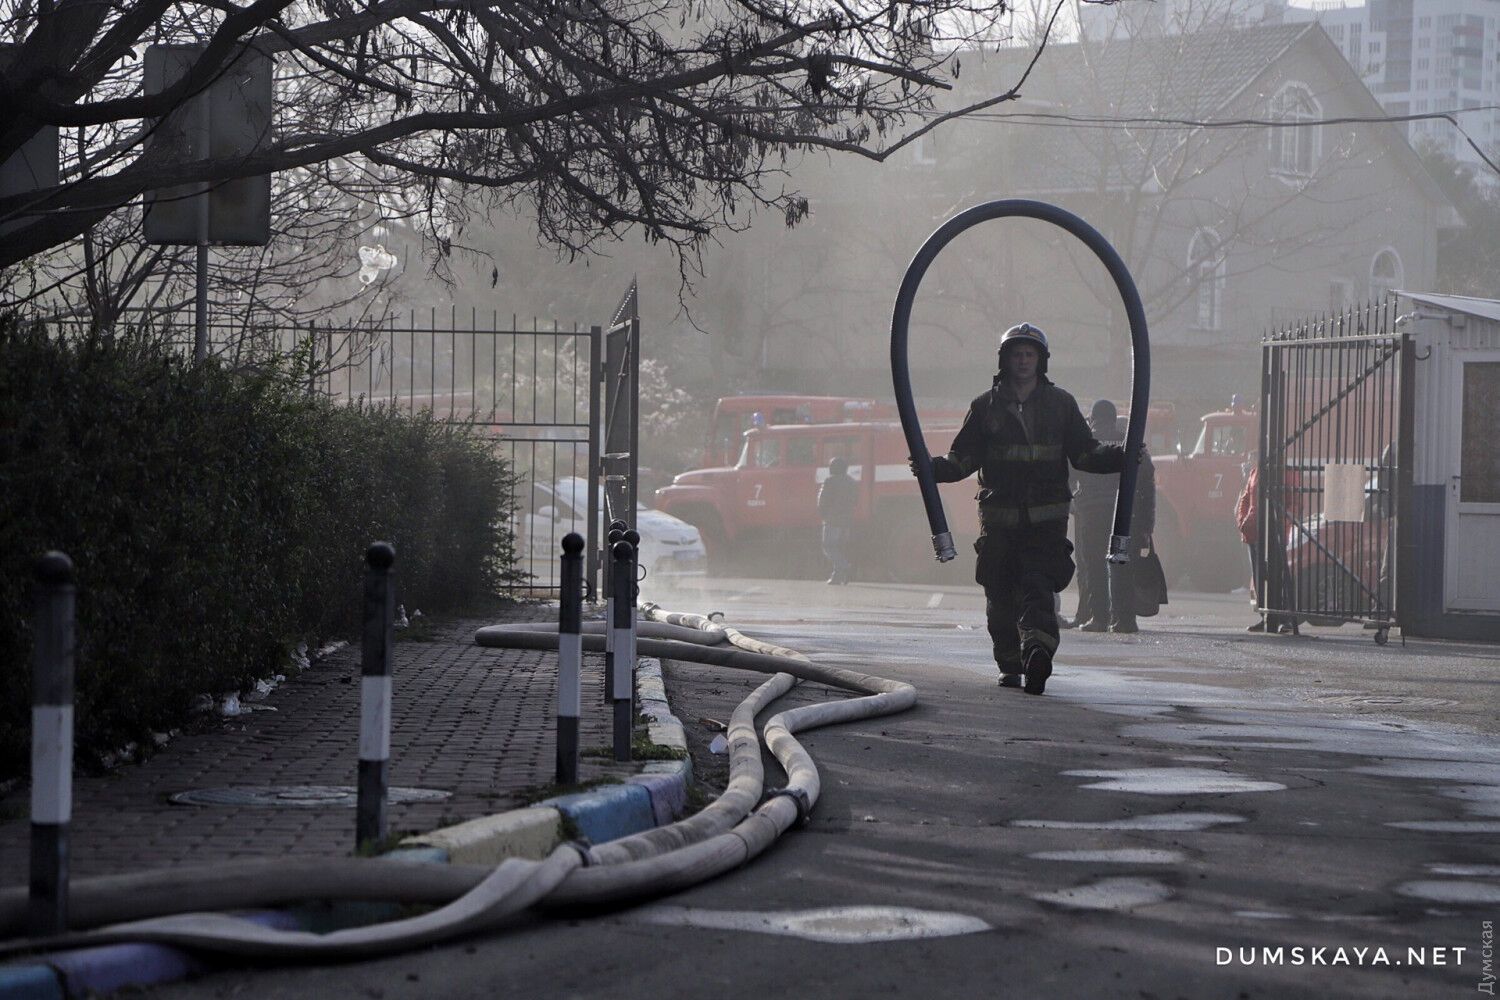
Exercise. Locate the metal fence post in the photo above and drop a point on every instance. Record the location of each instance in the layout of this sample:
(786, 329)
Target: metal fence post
(375, 695)
(51, 743)
(623, 681)
(633, 539)
(569, 658)
(596, 469)
(616, 533)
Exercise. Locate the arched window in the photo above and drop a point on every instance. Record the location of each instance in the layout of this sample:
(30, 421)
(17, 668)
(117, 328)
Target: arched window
(1295, 149)
(1205, 269)
(1385, 273)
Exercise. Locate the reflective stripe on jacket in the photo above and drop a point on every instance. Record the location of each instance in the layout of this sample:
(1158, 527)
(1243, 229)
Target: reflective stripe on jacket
(1023, 478)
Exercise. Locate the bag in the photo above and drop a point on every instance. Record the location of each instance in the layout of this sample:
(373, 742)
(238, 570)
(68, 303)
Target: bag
(1149, 582)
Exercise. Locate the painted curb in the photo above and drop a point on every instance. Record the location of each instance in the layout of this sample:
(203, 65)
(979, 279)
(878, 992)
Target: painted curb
(489, 840)
(83, 972)
(666, 782)
(29, 982)
(608, 812)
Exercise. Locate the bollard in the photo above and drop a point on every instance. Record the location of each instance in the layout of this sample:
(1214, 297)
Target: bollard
(616, 533)
(569, 658)
(622, 683)
(51, 743)
(375, 696)
(634, 538)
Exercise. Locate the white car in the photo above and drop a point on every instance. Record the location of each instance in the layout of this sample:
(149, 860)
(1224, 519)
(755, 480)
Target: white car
(669, 545)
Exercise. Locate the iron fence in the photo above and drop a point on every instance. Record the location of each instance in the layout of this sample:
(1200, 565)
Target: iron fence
(1334, 467)
(533, 391)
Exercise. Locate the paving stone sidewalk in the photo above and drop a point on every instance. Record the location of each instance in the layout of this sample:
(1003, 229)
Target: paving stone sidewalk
(477, 723)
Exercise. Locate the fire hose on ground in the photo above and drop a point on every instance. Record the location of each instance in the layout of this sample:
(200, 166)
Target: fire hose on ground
(737, 826)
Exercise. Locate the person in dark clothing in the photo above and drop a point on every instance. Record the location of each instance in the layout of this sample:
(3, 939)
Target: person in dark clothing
(836, 500)
(1093, 518)
(1124, 577)
(1106, 599)
(1020, 437)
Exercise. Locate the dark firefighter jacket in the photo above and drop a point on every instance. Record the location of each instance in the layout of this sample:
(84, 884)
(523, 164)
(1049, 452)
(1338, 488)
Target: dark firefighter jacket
(1021, 452)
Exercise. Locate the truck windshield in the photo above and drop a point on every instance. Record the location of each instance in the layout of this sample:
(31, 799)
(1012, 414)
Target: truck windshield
(767, 453)
(1221, 439)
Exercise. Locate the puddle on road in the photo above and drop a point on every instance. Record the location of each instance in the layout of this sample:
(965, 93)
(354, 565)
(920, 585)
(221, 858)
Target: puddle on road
(1108, 894)
(1451, 892)
(834, 925)
(1440, 770)
(1163, 822)
(1471, 871)
(1120, 856)
(1175, 781)
(1262, 915)
(1268, 731)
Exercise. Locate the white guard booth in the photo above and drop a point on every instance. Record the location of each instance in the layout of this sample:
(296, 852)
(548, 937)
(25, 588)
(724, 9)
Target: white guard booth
(1450, 574)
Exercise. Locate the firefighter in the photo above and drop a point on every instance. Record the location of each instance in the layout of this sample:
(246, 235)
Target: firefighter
(1020, 437)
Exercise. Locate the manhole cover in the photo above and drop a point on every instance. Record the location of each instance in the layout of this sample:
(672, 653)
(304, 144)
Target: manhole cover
(1386, 701)
(297, 796)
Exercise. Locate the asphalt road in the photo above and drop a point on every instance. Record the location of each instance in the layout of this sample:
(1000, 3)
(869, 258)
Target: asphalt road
(1188, 812)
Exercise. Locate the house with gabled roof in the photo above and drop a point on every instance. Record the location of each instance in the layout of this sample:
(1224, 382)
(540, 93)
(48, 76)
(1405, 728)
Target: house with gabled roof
(1245, 176)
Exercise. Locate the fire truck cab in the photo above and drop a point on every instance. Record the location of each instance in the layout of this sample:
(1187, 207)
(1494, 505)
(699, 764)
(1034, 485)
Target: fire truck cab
(761, 513)
(1196, 492)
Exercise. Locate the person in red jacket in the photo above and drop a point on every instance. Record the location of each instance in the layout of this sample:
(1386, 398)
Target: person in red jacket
(1247, 519)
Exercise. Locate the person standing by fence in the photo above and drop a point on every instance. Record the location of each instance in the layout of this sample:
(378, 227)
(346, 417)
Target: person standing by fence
(1247, 518)
(836, 499)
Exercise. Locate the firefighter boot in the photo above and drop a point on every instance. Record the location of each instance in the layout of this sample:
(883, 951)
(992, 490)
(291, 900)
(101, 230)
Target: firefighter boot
(1038, 669)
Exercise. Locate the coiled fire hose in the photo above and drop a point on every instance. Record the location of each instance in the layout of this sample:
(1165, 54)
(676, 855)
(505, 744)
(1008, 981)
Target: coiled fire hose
(735, 827)
(1140, 345)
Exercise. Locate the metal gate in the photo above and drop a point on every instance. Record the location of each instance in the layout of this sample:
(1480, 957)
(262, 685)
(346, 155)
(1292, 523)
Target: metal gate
(1335, 468)
(534, 391)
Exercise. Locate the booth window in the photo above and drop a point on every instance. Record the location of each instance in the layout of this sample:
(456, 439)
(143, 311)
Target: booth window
(1479, 463)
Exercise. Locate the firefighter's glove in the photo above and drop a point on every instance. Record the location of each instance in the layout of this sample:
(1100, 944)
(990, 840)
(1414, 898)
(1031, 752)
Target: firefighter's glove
(943, 471)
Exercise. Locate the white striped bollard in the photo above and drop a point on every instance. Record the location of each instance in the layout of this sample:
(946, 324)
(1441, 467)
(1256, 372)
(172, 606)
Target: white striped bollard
(375, 695)
(623, 626)
(569, 658)
(51, 743)
(616, 532)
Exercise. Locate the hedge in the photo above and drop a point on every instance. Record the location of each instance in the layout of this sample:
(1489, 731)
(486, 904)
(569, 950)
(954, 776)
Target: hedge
(215, 520)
